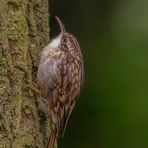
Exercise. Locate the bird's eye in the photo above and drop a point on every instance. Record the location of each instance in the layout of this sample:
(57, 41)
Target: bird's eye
(64, 40)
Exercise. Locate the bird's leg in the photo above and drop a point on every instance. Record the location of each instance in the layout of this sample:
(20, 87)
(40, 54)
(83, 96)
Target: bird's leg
(33, 86)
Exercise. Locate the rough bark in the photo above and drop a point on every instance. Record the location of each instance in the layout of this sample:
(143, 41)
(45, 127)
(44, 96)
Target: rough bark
(24, 31)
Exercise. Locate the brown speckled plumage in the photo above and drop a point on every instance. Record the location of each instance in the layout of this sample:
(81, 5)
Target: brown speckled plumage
(60, 78)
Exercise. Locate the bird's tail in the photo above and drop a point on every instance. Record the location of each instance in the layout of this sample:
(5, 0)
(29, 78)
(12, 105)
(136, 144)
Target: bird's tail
(51, 141)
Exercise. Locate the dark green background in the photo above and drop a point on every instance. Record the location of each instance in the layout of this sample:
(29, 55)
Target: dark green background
(112, 110)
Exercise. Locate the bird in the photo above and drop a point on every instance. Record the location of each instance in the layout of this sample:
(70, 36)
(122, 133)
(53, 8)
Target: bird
(60, 77)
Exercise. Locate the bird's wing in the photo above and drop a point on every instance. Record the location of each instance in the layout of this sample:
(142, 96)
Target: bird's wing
(61, 82)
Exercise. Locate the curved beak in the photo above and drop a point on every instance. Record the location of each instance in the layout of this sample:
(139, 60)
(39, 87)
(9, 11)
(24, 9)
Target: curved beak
(60, 24)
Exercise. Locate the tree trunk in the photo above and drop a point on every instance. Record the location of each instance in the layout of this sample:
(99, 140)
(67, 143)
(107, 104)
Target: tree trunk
(24, 31)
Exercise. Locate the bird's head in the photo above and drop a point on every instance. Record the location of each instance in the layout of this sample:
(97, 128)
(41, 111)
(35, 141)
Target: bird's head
(67, 39)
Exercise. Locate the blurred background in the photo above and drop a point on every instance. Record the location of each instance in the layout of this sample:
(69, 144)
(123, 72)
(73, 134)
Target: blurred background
(112, 110)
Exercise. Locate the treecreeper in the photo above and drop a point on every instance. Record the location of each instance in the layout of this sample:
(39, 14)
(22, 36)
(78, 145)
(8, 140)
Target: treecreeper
(59, 78)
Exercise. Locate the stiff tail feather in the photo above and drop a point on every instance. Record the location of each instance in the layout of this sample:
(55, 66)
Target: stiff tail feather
(51, 141)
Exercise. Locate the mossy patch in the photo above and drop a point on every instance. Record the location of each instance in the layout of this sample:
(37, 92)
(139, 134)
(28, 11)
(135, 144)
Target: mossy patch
(15, 3)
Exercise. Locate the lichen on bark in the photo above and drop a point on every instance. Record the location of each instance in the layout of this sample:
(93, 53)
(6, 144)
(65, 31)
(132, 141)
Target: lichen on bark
(24, 31)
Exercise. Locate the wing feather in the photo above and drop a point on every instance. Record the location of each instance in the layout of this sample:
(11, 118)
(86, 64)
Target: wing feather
(62, 81)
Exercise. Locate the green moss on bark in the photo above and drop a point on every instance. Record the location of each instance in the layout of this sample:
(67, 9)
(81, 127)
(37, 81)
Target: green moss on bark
(15, 3)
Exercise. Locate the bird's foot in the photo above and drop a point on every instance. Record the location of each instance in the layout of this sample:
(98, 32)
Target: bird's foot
(33, 86)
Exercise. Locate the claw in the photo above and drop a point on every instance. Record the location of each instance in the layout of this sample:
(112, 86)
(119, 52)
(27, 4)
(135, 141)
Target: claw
(33, 86)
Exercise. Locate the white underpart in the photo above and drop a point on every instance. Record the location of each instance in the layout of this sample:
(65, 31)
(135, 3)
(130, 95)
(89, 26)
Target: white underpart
(54, 43)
